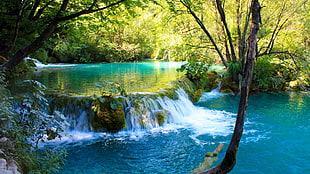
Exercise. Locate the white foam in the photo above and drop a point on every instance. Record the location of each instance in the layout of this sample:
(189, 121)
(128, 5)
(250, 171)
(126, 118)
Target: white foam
(41, 65)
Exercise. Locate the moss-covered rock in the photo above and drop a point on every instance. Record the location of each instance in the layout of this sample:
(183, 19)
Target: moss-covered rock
(229, 86)
(161, 116)
(109, 115)
(211, 81)
(189, 87)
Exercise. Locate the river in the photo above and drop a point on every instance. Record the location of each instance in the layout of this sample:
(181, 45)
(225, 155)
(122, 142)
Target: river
(275, 140)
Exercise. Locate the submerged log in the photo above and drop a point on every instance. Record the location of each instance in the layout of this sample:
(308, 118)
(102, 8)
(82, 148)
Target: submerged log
(210, 157)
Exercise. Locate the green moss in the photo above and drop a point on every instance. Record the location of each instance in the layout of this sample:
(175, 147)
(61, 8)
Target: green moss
(168, 92)
(212, 81)
(161, 116)
(211, 154)
(109, 115)
(58, 102)
(229, 87)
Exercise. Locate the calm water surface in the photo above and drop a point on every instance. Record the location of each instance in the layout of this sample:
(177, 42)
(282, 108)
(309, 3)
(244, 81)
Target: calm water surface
(80, 79)
(275, 140)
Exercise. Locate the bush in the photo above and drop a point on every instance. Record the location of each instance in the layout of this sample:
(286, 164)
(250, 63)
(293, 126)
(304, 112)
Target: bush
(25, 122)
(267, 75)
(197, 73)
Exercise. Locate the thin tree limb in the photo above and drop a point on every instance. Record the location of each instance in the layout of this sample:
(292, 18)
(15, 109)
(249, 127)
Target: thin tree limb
(89, 10)
(205, 31)
(223, 19)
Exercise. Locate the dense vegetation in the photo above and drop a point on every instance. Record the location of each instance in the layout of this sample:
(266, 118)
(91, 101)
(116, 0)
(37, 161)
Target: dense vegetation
(214, 32)
(25, 124)
(202, 33)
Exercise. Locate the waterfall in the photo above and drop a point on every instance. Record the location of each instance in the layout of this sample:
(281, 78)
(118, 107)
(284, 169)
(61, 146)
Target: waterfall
(42, 65)
(141, 110)
(146, 111)
(217, 90)
(149, 111)
(76, 109)
(36, 62)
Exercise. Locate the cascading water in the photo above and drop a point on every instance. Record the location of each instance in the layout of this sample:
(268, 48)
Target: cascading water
(142, 112)
(149, 111)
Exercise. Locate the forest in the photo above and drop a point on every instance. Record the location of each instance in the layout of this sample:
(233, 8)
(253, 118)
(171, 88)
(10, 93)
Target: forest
(200, 33)
(212, 33)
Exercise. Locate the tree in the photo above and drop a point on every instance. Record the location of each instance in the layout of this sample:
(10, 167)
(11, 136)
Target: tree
(229, 160)
(61, 15)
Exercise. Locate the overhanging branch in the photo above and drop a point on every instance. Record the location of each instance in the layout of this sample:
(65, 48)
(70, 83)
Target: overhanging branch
(89, 10)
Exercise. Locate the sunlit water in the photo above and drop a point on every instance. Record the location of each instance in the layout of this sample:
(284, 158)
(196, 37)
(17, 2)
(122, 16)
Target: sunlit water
(80, 79)
(275, 140)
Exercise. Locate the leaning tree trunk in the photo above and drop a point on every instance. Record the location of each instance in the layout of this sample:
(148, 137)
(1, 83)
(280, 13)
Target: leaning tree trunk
(37, 43)
(229, 160)
(23, 52)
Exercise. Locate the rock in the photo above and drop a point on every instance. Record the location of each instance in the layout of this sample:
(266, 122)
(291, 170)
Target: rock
(3, 164)
(161, 116)
(8, 166)
(5, 171)
(12, 166)
(109, 116)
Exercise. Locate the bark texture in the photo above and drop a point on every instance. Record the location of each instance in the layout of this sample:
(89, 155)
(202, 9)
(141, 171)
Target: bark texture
(229, 160)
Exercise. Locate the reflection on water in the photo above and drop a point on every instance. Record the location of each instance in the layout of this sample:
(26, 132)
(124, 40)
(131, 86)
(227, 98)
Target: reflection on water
(79, 79)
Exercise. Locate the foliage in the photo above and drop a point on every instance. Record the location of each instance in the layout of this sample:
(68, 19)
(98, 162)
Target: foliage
(234, 70)
(25, 122)
(20, 69)
(196, 72)
(7, 117)
(161, 29)
(265, 77)
(34, 118)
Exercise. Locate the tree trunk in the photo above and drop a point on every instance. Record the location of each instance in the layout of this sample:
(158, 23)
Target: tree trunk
(229, 160)
(37, 43)
(23, 52)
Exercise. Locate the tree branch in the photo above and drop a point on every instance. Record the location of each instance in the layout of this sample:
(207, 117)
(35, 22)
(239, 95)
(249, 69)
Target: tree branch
(205, 30)
(223, 19)
(36, 44)
(89, 10)
(41, 10)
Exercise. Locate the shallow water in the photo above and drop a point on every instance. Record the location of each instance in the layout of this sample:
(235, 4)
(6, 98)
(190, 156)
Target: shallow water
(80, 79)
(275, 140)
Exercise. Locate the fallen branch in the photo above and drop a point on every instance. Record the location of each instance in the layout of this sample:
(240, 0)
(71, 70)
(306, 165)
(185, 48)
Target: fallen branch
(210, 157)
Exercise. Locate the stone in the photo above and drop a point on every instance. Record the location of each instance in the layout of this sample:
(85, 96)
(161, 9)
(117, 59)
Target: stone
(6, 171)
(8, 167)
(12, 166)
(109, 116)
(3, 164)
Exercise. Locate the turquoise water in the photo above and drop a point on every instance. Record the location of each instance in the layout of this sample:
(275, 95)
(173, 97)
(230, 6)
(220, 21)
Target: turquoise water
(275, 140)
(80, 79)
(280, 140)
